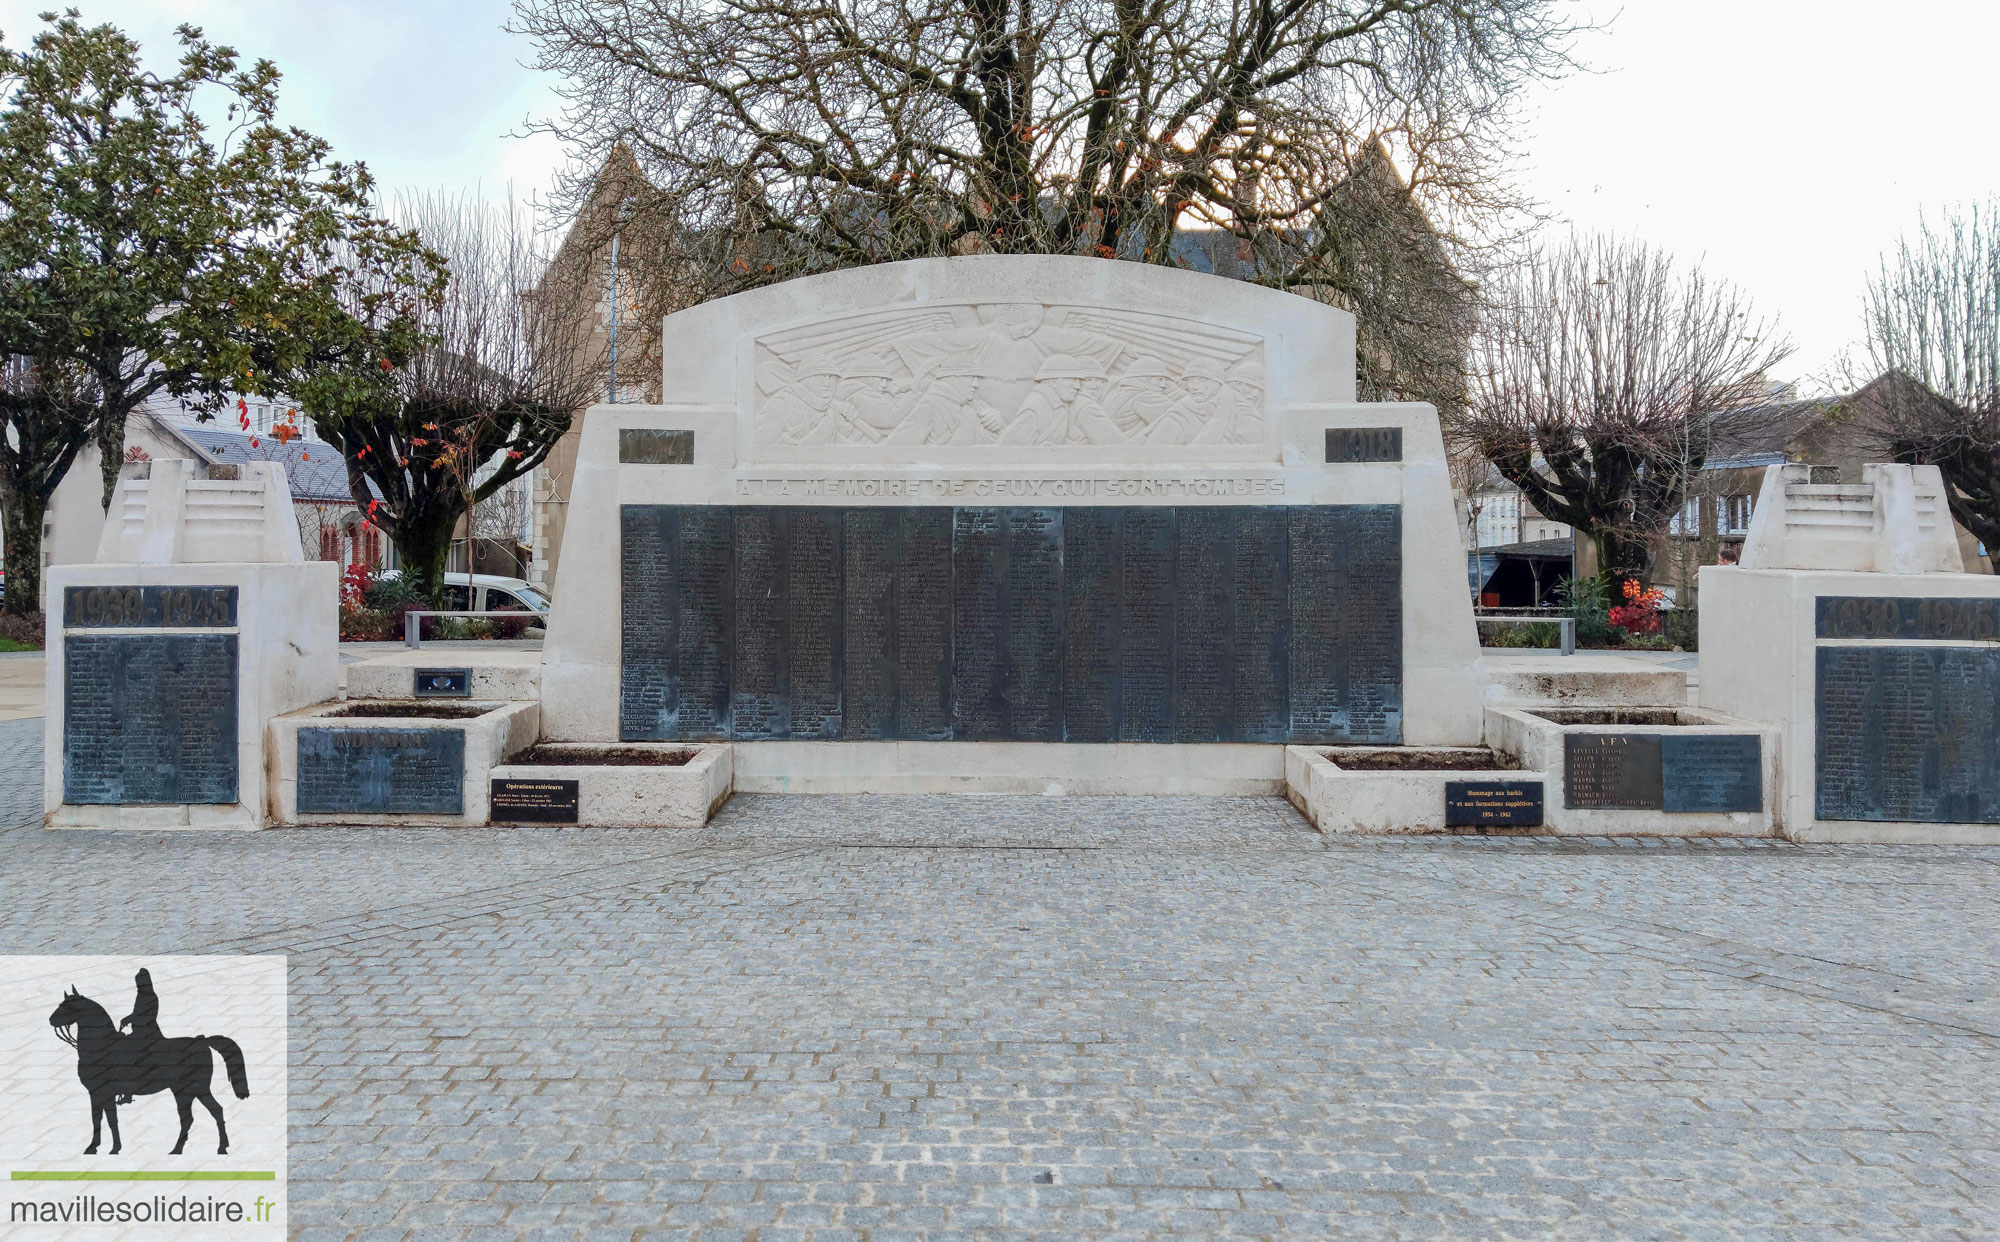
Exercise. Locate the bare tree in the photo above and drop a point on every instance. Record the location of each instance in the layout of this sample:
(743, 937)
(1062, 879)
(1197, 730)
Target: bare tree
(785, 137)
(439, 403)
(1933, 319)
(1598, 374)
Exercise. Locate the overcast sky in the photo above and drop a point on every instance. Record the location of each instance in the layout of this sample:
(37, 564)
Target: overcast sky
(1784, 143)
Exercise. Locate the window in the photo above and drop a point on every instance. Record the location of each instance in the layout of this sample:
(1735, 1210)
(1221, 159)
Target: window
(456, 598)
(498, 600)
(1735, 514)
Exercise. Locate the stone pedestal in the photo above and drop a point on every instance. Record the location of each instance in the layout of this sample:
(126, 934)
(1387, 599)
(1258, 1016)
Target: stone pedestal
(1885, 688)
(199, 622)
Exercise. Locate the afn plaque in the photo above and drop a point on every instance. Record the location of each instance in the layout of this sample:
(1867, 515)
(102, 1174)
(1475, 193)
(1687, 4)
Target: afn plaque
(1712, 772)
(1612, 772)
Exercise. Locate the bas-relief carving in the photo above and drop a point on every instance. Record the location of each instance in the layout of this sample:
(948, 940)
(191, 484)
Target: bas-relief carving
(1017, 374)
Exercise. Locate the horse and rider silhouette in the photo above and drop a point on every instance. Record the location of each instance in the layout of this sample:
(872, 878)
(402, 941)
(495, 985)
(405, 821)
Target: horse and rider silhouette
(115, 1067)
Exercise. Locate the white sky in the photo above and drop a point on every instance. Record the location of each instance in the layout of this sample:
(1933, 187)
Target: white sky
(1784, 143)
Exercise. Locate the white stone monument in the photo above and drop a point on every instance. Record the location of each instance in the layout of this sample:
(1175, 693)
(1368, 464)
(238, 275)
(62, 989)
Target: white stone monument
(199, 621)
(1851, 625)
(1012, 523)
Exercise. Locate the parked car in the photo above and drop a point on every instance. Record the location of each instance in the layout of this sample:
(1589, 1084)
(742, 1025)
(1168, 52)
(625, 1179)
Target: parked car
(486, 593)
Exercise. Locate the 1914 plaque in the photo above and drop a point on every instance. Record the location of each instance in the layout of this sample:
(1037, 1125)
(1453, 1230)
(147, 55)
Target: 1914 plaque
(1493, 804)
(382, 771)
(1612, 772)
(149, 718)
(533, 802)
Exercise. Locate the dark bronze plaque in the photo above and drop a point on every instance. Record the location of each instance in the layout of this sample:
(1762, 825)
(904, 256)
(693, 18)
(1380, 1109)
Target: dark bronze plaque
(1954, 620)
(653, 446)
(1364, 444)
(533, 802)
(443, 683)
(149, 718)
(1493, 804)
(1612, 771)
(1711, 772)
(1909, 733)
(382, 771)
(176, 607)
(1145, 624)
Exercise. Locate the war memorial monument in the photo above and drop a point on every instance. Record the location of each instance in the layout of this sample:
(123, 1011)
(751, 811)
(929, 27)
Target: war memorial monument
(1031, 525)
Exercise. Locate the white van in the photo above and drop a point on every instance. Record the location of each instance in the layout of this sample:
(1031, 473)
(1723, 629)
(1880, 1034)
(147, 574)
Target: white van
(487, 593)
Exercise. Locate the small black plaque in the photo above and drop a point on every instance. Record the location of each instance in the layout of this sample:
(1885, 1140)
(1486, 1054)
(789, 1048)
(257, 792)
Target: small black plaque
(1348, 444)
(1493, 804)
(1905, 617)
(149, 719)
(1612, 772)
(443, 683)
(382, 771)
(1711, 772)
(149, 607)
(655, 446)
(534, 802)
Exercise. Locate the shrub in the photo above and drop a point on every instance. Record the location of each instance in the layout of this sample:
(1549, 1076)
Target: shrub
(1586, 600)
(1640, 613)
(23, 631)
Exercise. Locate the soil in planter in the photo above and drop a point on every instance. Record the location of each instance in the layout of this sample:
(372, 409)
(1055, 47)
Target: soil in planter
(406, 708)
(1618, 716)
(603, 756)
(1452, 759)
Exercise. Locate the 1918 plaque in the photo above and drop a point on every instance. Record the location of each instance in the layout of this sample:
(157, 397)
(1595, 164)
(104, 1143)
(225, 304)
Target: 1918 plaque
(1493, 804)
(533, 802)
(1712, 772)
(382, 771)
(1351, 444)
(1612, 771)
(443, 683)
(1908, 734)
(149, 718)
(1089, 624)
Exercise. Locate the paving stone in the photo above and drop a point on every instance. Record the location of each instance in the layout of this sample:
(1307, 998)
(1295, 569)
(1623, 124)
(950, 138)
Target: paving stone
(1052, 1018)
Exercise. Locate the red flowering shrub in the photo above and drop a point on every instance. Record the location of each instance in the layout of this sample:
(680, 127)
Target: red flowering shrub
(1640, 613)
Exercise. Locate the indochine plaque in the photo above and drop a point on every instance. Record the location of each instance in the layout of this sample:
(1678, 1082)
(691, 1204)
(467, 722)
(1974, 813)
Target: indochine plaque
(149, 718)
(382, 771)
(1908, 734)
(1083, 624)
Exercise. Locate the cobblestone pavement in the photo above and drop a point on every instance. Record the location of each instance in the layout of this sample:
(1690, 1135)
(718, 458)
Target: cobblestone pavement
(1000, 1018)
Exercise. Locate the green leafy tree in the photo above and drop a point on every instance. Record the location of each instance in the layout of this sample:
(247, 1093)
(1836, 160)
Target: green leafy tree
(145, 255)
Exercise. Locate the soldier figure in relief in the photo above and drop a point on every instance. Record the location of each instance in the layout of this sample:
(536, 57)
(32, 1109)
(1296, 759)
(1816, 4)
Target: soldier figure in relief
(871, 403)
(1141, 398)
(1065, 405)
(802, 402)
(942, 413)
(1209, 403)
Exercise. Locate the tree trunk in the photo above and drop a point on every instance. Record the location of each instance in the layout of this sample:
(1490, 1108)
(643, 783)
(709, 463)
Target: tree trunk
(423, 544)
(21, 516)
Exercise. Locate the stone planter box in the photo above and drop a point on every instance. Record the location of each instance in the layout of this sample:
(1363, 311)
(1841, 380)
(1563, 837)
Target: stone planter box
(634, 793)
(1655, 771)
(396, 768)
(1395, 789)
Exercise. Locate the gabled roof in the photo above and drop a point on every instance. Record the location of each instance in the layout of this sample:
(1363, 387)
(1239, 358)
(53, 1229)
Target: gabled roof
(315, 469)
